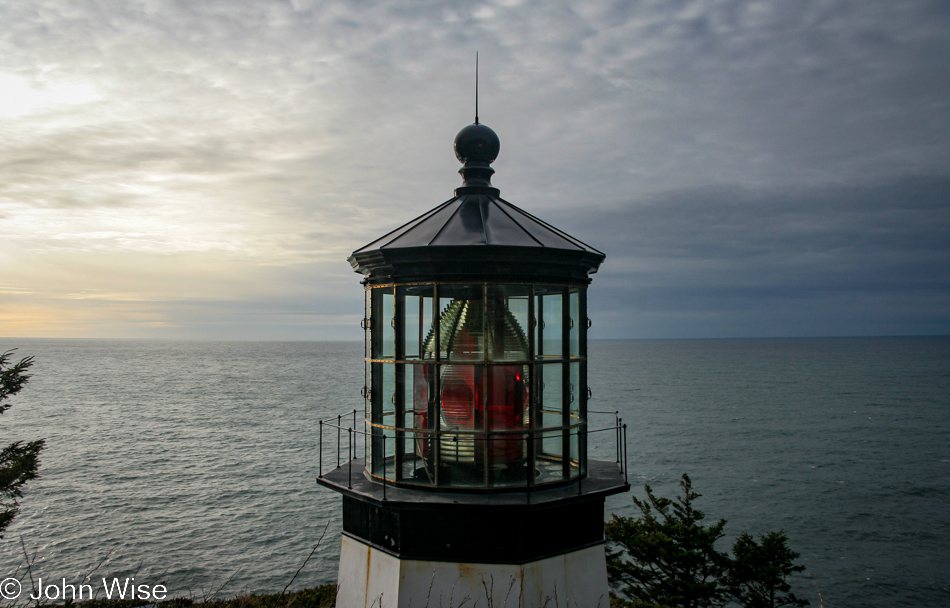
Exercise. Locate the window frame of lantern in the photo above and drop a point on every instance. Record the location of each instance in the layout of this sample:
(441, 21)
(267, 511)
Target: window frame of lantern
(570, 361)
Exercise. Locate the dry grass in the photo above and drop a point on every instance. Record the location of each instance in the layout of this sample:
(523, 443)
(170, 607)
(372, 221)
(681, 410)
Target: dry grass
(323, 596)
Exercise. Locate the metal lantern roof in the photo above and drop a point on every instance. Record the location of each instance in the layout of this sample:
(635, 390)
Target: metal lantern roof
(476, 235)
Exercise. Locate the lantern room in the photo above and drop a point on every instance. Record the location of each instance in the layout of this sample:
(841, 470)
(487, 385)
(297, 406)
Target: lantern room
(476, 323)
(475, 385)
(469, 459)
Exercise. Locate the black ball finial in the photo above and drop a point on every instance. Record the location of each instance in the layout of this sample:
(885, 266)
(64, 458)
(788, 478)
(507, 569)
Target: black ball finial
(476, 144)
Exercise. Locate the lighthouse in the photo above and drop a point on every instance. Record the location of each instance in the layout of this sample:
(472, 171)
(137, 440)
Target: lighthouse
(465, 477)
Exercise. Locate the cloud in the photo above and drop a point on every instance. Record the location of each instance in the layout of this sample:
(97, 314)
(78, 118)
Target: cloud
(270, 134)
(832, 251)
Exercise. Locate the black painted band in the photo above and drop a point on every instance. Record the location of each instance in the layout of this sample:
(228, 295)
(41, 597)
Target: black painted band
(504, 534)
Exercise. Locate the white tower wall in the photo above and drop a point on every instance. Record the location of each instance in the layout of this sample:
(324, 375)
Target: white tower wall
(370, 578)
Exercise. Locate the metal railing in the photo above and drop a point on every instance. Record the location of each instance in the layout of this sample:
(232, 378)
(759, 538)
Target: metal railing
(535, 457)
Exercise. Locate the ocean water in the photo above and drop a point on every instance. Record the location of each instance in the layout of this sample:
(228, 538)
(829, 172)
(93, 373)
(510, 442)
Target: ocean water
(194, 463)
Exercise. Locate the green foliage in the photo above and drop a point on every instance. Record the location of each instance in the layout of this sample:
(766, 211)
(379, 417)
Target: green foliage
(668, 557)
(19, 461)
(757, 578)
(672, 556)
(13, 377)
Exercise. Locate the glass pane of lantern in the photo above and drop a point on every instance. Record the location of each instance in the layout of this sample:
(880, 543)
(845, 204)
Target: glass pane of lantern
(367, 443)
(552, 444)
(462, 409)
(548, 309)
(382, 413)
(423, 446)
(388, 398)
(574, 398)
(534, 322)
(507, 403)
(416, 301)
(410, 332)
(462, 457)
(507, 319)
(551, 378)
(387, 449)
(575, 323)
(461, 324)
(376, 450)
(367, 393)
(426, 327)
(388, 320)
(579, 448)
(552, 407)
(375, 393)
(367, 329)
(403, 395)
(507, 397)
(575, 452)
(423, 380)
(461, 397)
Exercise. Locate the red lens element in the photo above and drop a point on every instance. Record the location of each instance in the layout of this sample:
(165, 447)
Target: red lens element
(505, 398)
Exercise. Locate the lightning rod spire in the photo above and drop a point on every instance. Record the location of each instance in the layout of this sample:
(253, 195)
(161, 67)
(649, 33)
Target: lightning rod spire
(476, 87)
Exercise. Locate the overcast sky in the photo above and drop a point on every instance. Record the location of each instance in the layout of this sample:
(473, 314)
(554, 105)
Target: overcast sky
(203, 169)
